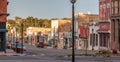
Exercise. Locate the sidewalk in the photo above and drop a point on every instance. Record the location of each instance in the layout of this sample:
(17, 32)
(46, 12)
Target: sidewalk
(10, 52)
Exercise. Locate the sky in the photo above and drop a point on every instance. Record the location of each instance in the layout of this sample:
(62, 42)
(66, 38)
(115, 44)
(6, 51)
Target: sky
(47, 9)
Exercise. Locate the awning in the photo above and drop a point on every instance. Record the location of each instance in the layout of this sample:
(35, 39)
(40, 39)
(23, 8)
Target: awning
(3, 30)
(103, 31)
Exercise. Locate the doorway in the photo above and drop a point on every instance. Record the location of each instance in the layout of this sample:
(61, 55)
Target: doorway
(1, 41)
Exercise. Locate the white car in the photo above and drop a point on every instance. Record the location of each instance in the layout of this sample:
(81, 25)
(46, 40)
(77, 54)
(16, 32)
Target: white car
(21, 46)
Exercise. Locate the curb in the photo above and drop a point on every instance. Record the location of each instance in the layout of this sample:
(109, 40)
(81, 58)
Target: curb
(6, 54)
(10, 54)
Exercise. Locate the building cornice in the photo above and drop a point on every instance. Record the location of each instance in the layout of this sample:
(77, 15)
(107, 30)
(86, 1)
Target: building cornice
(1, 14)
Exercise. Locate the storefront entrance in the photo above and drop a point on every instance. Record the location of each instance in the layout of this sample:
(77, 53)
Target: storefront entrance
(104, 39)
(1, 41)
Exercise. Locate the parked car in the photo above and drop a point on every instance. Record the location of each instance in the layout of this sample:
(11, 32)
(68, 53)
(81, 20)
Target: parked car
(13, 45)
(21, 46)
(18, 45)
(40, 44)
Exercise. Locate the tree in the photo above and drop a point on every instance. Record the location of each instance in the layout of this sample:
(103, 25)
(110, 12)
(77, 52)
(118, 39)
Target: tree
(29, 22)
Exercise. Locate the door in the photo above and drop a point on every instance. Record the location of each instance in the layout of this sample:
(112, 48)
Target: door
(1, 40)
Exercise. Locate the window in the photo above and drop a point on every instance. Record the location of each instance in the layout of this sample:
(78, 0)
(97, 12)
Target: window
(2, 25)
(108, 5)
(100, 39)
(112, 4)
(104, 39)
(93, 39)
(90, 39)
(116, 7)
(96, 39)
(100, 7)
(119, 6)
(112, 8)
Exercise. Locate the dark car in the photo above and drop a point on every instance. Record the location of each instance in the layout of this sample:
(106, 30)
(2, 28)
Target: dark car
(40, 44)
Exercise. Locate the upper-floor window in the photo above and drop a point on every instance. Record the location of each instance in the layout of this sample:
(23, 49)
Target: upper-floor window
(100, 7)
(108, 5)
(119, 6)
(116, 7)
(112, 7)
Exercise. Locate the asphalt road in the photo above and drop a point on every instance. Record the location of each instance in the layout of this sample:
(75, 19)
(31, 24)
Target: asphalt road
(34, 54)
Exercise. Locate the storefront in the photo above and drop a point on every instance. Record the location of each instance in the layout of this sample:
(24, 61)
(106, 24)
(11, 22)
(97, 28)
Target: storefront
(3, 20)
(84, 36)
(2, 40)
(104, 34)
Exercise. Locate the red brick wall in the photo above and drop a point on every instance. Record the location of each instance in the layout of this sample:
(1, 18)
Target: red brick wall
(104, 6)
(116, 34)
(84, 32)
(3, 9)
(112, 35)
(104, 26)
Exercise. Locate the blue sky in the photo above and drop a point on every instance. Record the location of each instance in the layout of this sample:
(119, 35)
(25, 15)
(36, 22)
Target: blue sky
(49, 8)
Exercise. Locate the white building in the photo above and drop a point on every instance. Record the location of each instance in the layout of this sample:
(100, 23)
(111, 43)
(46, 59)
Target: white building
(54, 28)
(54, 33)
(93, 36)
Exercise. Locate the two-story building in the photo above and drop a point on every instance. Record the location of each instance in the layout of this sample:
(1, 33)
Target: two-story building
(115, 25)
(3, 20)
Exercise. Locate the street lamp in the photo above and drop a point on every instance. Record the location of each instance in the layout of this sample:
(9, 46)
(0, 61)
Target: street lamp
(73, 53)
(22, 37)
(93, 24)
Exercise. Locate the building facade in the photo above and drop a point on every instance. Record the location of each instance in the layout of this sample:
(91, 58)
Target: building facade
(61, 33)
(85, 19)
(64, 28)
(54, 33)
(93, 36)
(36, 35)
(82, 22)
(104, 23)
(3, 20)
(115, 25)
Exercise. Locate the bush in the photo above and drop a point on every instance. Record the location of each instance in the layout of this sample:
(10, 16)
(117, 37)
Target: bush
(105, 53)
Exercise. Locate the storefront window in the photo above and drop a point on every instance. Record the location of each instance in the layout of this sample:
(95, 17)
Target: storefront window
(104, 40)
(100, 39)
(90, 39)
(96, 39)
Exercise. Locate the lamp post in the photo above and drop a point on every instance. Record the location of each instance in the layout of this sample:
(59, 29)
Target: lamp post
(73, 53)
(93, 24)
(22, 36)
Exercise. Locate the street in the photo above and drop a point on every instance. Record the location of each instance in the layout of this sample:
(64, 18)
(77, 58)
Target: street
(34, 54)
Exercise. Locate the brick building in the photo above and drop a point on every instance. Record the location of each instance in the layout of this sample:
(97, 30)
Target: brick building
(82, 22)
(61, 33)
(3, 20)
(104, 24)
(115, 25)
(85, 19)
